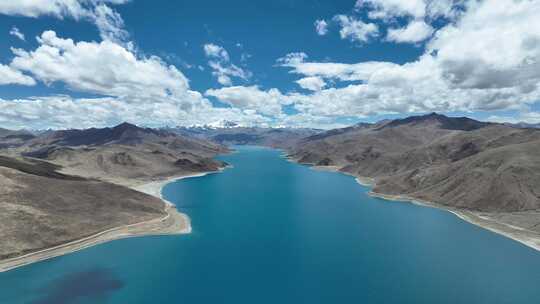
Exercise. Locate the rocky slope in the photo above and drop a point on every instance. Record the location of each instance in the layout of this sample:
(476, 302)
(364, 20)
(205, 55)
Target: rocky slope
(61, 186)
(123, 154)
(454, 162)
(41, 207)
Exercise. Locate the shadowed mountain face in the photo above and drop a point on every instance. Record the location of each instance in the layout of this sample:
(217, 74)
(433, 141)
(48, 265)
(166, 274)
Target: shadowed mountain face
(277, 138)
(123, 153)
(438, 121)
(459, 162)
(35, 167)
(124, 133)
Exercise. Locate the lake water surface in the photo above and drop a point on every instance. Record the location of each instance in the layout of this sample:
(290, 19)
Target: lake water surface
(271, 231)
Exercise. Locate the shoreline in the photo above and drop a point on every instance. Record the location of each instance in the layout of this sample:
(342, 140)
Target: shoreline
(173, 223)
(518, 234)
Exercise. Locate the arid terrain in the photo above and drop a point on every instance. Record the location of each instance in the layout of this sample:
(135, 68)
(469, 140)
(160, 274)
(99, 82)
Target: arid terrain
(491, 170)
(123, 154)
(42, 208)
(60, 187)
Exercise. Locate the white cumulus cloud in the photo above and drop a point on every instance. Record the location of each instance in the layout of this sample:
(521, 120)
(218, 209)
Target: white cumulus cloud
(9, 75)
(419, 16)
(221, 66)
(104, 68)
(61, 112)
(142, 90)
(17, 33)
(488, 59)
(356, 30)
(312, 83)
(252, 98)
(215, 51)
(321, 27)
(332, 70)
(108, 21)
(415, 31)
(384, 9)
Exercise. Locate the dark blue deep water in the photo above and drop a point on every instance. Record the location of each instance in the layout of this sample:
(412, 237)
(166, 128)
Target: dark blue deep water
(270, 231)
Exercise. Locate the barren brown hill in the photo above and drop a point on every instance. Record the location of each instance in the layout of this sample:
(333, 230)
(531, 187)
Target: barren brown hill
(41, 208)
(64, 186)
(453, 162)
(124, 154)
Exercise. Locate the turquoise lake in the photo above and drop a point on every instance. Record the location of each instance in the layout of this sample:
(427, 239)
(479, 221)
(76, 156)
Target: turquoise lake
(271, 231)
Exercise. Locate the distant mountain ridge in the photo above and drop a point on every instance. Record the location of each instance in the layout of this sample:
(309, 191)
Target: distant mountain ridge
(237, 135)
(524, 125)
(441, 121)
(488, 169)
(123, 152)
(124, 133)
(13, 138)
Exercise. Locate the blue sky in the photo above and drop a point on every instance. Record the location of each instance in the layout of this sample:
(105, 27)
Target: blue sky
(265, 62)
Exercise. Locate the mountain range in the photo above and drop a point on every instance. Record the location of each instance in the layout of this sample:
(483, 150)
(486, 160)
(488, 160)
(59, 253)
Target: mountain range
(60, 186)
(233, 134)
(124, 153)
(487, 169)
(484, 171)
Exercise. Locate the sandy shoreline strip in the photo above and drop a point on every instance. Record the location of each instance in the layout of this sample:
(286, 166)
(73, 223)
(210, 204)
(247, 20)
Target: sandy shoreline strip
(521, 235)
(518, 234)
(173, 222)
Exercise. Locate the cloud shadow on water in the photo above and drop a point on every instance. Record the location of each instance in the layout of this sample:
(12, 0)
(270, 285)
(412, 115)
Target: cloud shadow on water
(90, 286)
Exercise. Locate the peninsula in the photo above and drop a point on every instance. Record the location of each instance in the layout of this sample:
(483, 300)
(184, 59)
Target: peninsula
(62, 191)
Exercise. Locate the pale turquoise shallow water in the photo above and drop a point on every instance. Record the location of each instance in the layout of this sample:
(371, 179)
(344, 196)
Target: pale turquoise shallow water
(270, 231)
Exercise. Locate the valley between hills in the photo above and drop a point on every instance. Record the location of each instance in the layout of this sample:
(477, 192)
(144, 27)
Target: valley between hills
(486, 173)
(68, 189)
